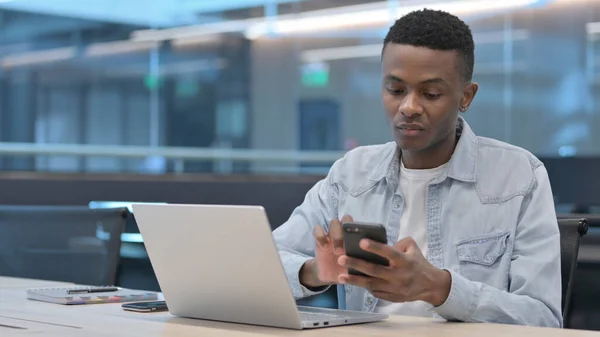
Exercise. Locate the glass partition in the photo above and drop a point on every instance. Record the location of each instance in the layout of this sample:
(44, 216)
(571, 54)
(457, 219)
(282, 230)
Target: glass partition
(263, 87)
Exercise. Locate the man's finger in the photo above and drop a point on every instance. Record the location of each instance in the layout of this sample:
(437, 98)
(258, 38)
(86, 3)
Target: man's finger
(370, 283)
(320, 236)
(406, 244)
(365, 267)
(395, 257)
(336, 236)
(386, 296)
(347, 218)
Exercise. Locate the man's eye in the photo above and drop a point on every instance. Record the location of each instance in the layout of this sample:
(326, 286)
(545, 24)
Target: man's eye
(431, 96)
(395, 91)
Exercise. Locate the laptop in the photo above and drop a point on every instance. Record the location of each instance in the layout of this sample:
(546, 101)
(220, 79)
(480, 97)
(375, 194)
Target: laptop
(220, 263)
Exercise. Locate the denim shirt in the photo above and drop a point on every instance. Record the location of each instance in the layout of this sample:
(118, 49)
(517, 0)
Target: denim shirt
(490, 220)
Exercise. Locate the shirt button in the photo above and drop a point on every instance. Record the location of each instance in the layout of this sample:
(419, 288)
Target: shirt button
(397, 205)
(369, 301)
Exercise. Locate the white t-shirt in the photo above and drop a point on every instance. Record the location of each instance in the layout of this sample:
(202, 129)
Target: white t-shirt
(413, 223)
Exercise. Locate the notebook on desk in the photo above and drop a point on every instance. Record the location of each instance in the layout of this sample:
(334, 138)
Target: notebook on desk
(89, 295)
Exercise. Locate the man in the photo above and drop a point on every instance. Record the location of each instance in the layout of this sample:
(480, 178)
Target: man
(471, 226)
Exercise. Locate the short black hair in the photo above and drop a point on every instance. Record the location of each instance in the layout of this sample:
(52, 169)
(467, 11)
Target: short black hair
(437, 30)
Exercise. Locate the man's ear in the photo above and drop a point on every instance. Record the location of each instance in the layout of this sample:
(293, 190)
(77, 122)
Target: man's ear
(469, 93)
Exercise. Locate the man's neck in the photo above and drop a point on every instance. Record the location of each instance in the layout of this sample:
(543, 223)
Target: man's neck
(433, 157)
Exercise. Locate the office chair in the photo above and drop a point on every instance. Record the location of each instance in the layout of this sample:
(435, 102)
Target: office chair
(61, 243)
(593, 220)
(571, 231)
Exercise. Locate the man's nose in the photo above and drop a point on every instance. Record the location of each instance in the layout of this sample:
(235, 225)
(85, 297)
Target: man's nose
(410, 107)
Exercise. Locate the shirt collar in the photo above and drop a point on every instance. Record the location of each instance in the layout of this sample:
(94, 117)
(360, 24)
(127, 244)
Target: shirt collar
(460, 167)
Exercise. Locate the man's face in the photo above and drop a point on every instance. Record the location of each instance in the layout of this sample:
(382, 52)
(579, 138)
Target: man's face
(422, 92)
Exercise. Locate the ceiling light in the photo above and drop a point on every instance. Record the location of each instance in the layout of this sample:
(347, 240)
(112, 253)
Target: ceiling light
(38, 57)
(192, 42)
(371, 14)
(374, 50)
(118, 47)
(193, 31)
(371, 17)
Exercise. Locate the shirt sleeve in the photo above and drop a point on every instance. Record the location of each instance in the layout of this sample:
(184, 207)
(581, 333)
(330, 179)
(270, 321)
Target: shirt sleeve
(535, 293)
(294, 238)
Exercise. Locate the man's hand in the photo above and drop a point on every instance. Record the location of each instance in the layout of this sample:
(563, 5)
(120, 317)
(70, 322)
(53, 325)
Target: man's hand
(409, 277)
(324, 269)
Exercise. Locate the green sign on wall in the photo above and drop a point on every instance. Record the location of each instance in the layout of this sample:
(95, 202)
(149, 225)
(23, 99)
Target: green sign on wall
(315, 74)
(152, 82)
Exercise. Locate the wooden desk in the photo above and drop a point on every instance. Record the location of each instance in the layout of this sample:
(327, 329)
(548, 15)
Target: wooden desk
(19, 316)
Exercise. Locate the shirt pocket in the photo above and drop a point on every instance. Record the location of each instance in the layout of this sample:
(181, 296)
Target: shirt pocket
(480, 257)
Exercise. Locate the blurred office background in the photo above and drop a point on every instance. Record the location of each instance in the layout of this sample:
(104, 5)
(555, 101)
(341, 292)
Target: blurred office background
(129, 79)
(251, 101)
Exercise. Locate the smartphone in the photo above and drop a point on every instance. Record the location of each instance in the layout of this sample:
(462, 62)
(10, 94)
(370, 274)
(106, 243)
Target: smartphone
(154, 306)
(353, 232)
